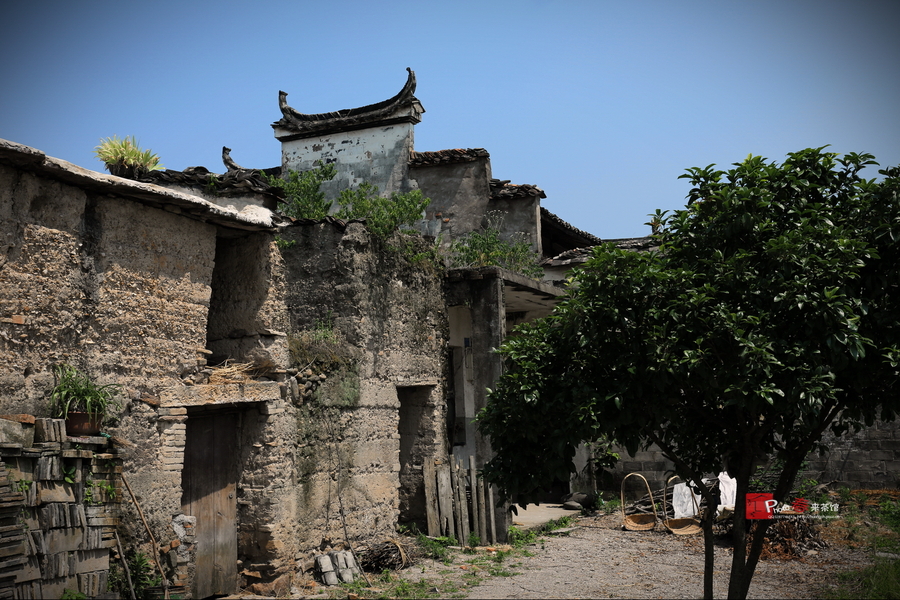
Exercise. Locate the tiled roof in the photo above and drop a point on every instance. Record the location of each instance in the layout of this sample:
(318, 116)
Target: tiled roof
(549, 216)
(348, 118)
(254, 218)
(504, 190)
(446, 157)
(229, 183)
(580, 255)
(236, 180)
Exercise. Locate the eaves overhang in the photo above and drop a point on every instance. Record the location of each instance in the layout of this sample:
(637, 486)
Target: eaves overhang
(252, 218)
(520, 294)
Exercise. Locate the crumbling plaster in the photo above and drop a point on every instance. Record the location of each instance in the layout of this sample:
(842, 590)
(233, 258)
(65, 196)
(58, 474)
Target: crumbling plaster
(377, 156)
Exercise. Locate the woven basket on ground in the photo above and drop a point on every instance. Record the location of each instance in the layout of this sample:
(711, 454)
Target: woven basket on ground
(680, 526)
(638, 522)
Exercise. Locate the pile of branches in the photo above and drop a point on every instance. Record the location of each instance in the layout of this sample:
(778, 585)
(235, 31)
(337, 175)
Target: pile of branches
(790, 537)
(389, 554)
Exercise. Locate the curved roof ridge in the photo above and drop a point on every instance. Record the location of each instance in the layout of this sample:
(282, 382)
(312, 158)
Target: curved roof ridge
(294, 120)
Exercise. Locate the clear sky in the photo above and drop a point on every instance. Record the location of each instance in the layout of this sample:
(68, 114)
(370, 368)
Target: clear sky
(602, 104)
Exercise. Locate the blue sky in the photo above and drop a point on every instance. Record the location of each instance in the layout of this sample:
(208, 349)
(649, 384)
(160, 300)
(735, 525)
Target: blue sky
(602, 104)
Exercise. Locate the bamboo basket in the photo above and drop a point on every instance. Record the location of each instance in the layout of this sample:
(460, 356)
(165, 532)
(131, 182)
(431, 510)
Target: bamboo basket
(684, 525)
(641, 522)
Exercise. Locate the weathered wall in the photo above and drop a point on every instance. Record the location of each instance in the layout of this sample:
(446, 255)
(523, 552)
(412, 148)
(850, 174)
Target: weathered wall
(521, 219)
(386, 322)
(247, 316)
(120, 288)
(459, 193)
(487, 327)
(870, 459)
(377, 155)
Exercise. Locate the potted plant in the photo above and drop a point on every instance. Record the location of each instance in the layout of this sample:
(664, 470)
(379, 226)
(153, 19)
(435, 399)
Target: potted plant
(124, 158)
(81, 402)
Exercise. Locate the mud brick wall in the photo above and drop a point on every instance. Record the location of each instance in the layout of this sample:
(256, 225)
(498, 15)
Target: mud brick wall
(351, 454)
(63, 498)
(118, 288)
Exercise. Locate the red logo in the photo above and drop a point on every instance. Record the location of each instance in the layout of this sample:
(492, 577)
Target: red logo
(800, 505)
(760, 505)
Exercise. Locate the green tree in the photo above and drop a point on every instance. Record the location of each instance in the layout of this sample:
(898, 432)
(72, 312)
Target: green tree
(383, 216)
(303, 196)
(768, 316)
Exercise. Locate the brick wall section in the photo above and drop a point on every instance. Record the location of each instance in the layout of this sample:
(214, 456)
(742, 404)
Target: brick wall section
(870, 459)
(67, 526)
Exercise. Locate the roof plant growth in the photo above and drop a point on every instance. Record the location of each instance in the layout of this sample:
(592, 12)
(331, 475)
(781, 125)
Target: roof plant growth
(383, 215)
(770, 315)
(124, 157)
(485, 247)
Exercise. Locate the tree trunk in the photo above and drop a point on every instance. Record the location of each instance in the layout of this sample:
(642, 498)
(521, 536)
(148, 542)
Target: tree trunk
(736, 587)
(708, 551)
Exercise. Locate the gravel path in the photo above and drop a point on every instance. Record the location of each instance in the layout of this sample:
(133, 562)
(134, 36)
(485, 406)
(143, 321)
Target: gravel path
(599, 560)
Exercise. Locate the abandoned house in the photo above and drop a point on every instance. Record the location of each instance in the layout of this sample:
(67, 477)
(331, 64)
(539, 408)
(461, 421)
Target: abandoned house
(286, 384)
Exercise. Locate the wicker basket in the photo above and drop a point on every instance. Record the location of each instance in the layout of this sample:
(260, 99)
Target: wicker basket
(682, 526)
(640, 522)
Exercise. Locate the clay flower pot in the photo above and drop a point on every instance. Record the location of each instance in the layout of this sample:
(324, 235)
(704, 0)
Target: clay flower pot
(81, 424)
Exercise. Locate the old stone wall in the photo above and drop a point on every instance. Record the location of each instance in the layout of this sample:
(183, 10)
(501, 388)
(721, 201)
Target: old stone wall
(370, 327)
(459, 193)
(521, 219)
(118, 289)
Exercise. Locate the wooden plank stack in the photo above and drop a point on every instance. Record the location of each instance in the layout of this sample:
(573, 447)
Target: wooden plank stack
(458, 503)
(13, 547)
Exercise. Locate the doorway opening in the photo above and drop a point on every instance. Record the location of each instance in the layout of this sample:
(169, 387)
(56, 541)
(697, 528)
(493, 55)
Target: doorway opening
(417, 434)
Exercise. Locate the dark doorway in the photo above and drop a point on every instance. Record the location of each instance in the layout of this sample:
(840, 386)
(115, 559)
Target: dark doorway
(209, 482)
(416, 444)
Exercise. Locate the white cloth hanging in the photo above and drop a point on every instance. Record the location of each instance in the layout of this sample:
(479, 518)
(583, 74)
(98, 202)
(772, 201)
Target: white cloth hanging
(727, 492)
(683, 501)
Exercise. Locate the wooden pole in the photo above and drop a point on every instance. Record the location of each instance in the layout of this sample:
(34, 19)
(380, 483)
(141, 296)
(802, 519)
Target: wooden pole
(445, 499)
(457, 504)
(491, 517)
(463, 503)
(482, 513)
(165, 582)
(473, 481)
(124, 565)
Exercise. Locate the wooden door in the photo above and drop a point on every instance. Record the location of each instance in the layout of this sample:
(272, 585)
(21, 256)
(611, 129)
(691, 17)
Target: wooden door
(208, 484)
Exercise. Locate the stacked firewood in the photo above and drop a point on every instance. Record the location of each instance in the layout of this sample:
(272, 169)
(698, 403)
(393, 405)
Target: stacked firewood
(389, 554)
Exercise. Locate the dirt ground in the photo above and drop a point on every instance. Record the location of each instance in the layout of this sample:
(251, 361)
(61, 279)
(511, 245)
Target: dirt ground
(600, 560)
